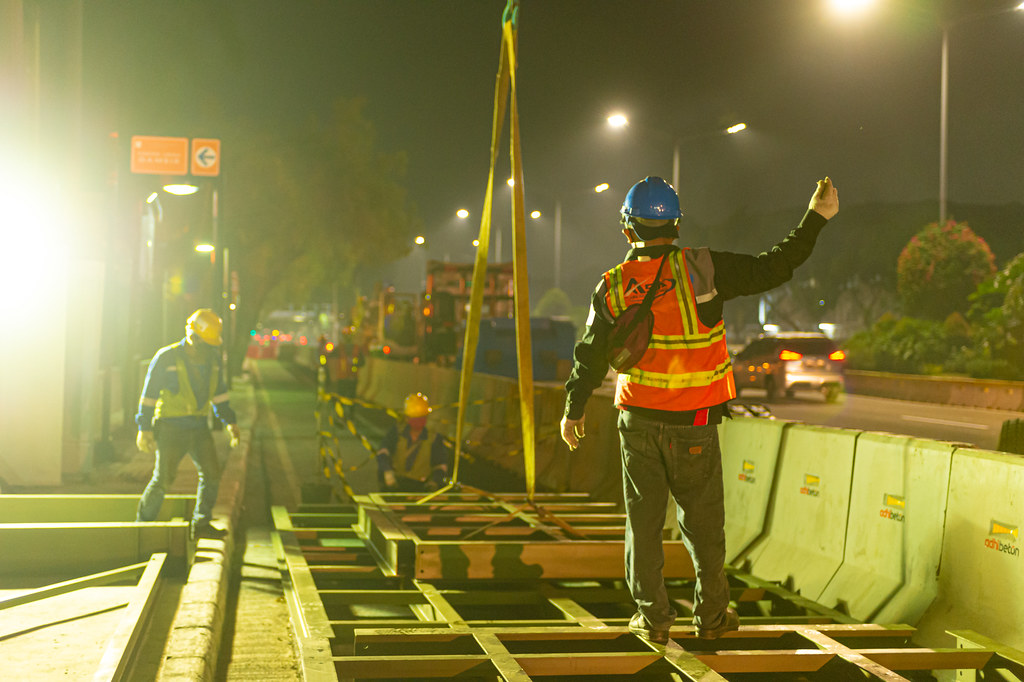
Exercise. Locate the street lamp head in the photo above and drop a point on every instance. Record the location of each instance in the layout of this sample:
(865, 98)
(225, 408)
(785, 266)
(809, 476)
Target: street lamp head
(462, 213)
(420, 240)
(535, 215)
(204, 248)
(850, 7)
(618, 121)
(733, 129)
(181, 190)
(602, 187)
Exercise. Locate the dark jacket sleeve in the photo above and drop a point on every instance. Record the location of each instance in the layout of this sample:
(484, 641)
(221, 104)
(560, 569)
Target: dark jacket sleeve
(738, 274)
(590, 365)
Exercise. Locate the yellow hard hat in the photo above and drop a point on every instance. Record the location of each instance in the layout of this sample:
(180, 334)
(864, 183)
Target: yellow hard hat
(417, 405)
(205, 324)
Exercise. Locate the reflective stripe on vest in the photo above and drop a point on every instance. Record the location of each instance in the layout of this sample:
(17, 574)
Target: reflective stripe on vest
(184, 403)
(687, 365)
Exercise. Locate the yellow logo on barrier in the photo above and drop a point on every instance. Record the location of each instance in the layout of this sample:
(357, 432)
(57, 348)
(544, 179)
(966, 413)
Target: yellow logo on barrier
(747, 472)
(1001, 529)
(891, 506)
(810, 487)
(894, 501)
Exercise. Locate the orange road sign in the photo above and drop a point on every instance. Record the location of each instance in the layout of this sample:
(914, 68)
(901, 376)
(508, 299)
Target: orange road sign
(205, 156)
(159, 155)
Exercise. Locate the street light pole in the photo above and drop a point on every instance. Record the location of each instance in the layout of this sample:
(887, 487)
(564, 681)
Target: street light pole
(943, 123)
(675, 165)
(558, 244)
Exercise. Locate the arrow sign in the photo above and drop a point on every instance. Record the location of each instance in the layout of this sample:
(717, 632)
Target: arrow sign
(205, 156)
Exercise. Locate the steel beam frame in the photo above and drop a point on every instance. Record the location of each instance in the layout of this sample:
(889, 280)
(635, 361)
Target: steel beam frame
(371, 601)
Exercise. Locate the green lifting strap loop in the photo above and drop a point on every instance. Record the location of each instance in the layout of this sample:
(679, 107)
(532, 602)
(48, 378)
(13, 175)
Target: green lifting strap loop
(511, 13)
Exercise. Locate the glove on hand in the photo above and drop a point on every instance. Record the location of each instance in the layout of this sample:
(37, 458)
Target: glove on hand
(145, 441)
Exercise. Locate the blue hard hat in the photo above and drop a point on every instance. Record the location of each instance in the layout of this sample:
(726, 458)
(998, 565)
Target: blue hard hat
(652, 198)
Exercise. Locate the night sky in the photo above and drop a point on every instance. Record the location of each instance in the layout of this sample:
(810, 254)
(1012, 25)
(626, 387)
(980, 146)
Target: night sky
(855, 98)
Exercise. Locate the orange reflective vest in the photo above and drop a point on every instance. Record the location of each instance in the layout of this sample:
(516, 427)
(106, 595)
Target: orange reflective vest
(686, 366)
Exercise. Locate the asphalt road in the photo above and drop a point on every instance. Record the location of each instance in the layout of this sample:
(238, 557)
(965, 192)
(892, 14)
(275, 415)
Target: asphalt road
(976, 426)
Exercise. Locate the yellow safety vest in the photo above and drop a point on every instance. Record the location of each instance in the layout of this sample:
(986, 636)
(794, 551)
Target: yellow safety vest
(184, 403)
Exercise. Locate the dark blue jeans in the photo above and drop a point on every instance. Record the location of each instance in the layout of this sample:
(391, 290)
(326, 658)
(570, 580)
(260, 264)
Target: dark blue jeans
(685, 461)
(172, 444)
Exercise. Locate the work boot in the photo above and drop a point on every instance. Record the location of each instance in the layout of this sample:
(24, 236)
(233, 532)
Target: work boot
(730, 622)
(639, 627)
(208, 531)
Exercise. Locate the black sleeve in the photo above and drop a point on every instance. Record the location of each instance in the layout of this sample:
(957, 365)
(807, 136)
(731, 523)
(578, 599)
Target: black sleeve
(738, 274)
(589, 366)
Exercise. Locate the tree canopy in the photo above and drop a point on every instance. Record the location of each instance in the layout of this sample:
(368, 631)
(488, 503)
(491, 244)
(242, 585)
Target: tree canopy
(304, 212)
(940, 268)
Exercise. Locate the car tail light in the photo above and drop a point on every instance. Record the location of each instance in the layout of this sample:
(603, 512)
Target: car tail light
(790, 355)
(837, 355)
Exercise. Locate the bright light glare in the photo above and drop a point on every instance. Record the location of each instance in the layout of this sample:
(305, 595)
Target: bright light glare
(851, 6)
(151, 198)
(618, 121)
(181, 190)
(511, 182)
(736, 128)
(34, 231)
(420, 239)
(204, 248)
(462, 213)
(1020, 7)
(601, 188)
(535, 215)
(476, 242)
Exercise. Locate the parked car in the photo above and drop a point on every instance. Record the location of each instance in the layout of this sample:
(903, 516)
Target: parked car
(786, 362)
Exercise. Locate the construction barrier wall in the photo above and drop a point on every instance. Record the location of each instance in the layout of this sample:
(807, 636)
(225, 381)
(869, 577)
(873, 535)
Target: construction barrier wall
(806, 527)
(894, 529)
(889, 528)
(981, 578)
(750, 451)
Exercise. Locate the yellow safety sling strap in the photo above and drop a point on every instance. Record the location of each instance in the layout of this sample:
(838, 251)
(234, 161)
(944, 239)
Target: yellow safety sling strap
(506, 83)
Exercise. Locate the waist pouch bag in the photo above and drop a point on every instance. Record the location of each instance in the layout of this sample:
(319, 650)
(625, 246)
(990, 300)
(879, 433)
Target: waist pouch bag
(631, 332)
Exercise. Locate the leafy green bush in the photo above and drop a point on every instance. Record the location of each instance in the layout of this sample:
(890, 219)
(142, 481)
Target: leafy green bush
(940, 268)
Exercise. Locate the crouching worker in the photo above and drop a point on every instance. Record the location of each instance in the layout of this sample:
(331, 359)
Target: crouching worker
(412, 458)
(183, 381)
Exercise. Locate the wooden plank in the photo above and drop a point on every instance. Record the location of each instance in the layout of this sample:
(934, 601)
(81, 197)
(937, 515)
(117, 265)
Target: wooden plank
(548, 560)
(588, 663)
(408, 667)
(766, 660)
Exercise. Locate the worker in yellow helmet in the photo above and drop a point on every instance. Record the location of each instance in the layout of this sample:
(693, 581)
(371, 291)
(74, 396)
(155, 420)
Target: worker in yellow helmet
(412, 458)
(183, 381)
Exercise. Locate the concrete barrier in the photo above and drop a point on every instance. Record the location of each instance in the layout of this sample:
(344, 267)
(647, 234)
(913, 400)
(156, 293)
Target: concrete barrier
(990, 393)
(806, 532)
(894, 530)
(981, 578)
(750, 451)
